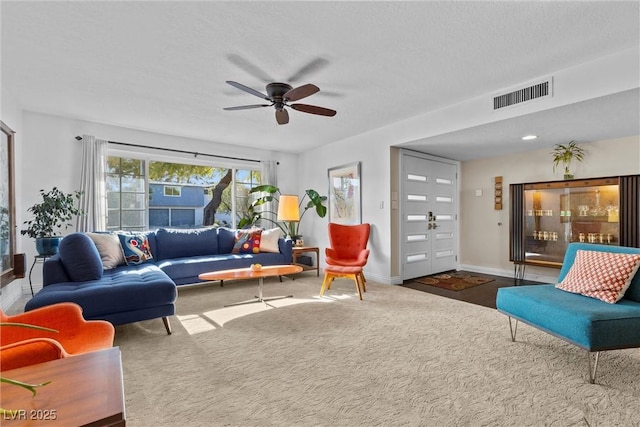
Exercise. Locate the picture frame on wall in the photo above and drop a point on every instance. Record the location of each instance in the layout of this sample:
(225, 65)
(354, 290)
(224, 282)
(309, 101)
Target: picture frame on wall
(345, 206)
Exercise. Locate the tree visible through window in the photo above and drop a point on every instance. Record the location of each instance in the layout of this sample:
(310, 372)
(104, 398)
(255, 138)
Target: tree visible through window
(176, 195)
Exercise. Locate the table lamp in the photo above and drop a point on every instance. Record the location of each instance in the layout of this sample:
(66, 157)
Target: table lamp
(289, 212)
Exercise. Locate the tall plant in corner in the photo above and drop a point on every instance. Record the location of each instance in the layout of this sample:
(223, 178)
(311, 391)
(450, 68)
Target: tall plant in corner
(565, 154)
(313, 201)
(50, 216)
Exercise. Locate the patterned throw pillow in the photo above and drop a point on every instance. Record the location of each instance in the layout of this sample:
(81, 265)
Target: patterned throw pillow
(135, 247)
(602, 275)
(247, 242)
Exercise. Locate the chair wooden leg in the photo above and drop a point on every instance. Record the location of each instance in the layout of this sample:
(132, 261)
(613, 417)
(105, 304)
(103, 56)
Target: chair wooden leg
(363, 281)
(167, 325)
(356, 279)
(330, 282)
(326, 283)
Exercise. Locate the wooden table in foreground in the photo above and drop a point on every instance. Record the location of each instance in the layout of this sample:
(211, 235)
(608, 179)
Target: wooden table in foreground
(248, 273)
(85, 390)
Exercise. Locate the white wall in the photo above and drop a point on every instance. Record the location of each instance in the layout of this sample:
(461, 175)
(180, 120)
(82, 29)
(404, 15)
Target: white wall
(484, 243)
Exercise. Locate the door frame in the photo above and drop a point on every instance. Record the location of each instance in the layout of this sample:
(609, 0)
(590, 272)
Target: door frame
(401, 191)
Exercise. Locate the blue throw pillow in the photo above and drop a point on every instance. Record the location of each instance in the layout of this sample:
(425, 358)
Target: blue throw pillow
(135, 247)
(80, 257)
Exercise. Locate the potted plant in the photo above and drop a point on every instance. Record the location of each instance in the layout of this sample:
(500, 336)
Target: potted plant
(252, 216)
(50, 216)
(565, 153)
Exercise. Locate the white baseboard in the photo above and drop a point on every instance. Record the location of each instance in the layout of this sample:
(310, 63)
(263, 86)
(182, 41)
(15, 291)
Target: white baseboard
(508, 273)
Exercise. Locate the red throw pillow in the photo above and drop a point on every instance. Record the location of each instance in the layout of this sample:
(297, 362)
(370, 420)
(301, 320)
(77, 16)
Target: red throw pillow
(247, 242)
(602, 275)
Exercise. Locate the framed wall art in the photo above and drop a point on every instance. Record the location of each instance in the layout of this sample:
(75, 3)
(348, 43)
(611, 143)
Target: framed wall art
(345, 205)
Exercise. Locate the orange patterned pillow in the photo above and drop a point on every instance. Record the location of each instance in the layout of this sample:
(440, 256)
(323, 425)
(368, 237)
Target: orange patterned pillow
(602, 275)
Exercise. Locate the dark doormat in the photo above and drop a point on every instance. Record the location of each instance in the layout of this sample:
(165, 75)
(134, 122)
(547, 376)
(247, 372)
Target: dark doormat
(453, 281)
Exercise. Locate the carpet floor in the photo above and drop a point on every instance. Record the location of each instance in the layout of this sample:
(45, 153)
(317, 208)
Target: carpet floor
(400, 357)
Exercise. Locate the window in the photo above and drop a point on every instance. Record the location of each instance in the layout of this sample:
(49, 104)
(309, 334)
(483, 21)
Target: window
(172, 190)
(126, 194)
(175, 194)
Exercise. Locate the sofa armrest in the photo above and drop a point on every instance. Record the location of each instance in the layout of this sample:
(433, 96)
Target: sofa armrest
(54, 271)
(286, 249)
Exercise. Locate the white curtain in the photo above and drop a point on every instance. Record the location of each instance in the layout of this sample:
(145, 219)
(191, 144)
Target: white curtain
(93, 200)
(269, 175)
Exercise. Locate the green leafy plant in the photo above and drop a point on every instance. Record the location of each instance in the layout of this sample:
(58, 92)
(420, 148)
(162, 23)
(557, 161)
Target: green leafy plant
(253, 214)
(52, 214)
(565, 154)
(33, 388)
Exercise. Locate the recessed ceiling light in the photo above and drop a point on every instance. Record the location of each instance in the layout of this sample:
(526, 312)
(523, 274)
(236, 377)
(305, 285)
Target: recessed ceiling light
(528, 137)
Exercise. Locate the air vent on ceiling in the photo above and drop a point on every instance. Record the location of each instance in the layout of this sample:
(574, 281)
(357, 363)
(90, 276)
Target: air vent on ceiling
(537, 90)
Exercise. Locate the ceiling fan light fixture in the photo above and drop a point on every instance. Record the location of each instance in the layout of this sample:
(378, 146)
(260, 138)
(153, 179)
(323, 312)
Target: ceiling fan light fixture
(280, 94)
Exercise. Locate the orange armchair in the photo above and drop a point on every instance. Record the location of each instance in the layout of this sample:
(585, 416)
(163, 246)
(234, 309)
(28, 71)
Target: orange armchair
(21, 346)
(348, 245)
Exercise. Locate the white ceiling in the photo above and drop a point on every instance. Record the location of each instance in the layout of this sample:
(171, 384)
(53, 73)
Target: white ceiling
(162, 66)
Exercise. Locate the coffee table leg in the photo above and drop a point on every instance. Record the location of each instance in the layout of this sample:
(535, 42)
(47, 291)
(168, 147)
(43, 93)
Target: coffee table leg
(259, 297)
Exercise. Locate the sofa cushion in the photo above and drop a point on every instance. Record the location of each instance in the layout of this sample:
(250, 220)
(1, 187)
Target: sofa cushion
(125, 289)
(269, 240)
(135, 247)
(80, 257)
(109, 248)
(226, 239)
(247, 241)
(175, 243)
(602, 275)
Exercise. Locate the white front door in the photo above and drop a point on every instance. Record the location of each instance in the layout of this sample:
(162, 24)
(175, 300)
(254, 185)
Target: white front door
(428, 215)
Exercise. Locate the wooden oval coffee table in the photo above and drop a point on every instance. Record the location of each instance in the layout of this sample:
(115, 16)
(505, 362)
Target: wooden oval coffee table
(248, 273)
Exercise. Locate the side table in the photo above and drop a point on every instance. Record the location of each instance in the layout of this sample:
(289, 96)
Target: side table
(298, 250)
(36, 259)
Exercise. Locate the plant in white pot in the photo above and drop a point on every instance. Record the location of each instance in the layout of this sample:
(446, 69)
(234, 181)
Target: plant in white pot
(50, 216)
(565, 154)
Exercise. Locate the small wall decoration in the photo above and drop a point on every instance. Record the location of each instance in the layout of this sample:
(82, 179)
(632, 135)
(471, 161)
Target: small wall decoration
(344, 194)
(497, 193)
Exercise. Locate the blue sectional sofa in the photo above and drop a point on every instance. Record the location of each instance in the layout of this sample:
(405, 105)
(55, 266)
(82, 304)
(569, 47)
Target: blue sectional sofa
(145, 289)
(586, 322)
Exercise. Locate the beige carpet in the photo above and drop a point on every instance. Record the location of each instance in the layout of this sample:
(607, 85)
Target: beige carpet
(398, 358)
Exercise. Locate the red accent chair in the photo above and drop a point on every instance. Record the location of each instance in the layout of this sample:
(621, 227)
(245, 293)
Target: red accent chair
(20, 346)
(348, 248)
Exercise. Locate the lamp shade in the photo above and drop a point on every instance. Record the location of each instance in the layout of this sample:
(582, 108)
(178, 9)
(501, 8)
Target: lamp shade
(288, 209)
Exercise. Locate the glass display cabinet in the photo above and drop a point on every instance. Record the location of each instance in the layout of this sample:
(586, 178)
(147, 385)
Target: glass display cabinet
(547, 216)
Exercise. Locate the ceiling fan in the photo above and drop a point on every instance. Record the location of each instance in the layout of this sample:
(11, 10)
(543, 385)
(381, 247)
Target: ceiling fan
(280, 95)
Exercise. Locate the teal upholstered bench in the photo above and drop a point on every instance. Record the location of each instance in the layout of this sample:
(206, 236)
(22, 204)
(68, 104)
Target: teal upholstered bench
(589, 323)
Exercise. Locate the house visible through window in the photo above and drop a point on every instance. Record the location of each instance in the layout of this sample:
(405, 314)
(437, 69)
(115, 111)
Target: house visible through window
(152, 194)
(172, 190)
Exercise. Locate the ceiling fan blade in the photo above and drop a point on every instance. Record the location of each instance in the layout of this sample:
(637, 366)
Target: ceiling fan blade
(246, 107)
(248, 90)
(312, 109)
(300, 92)
(282, 117)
